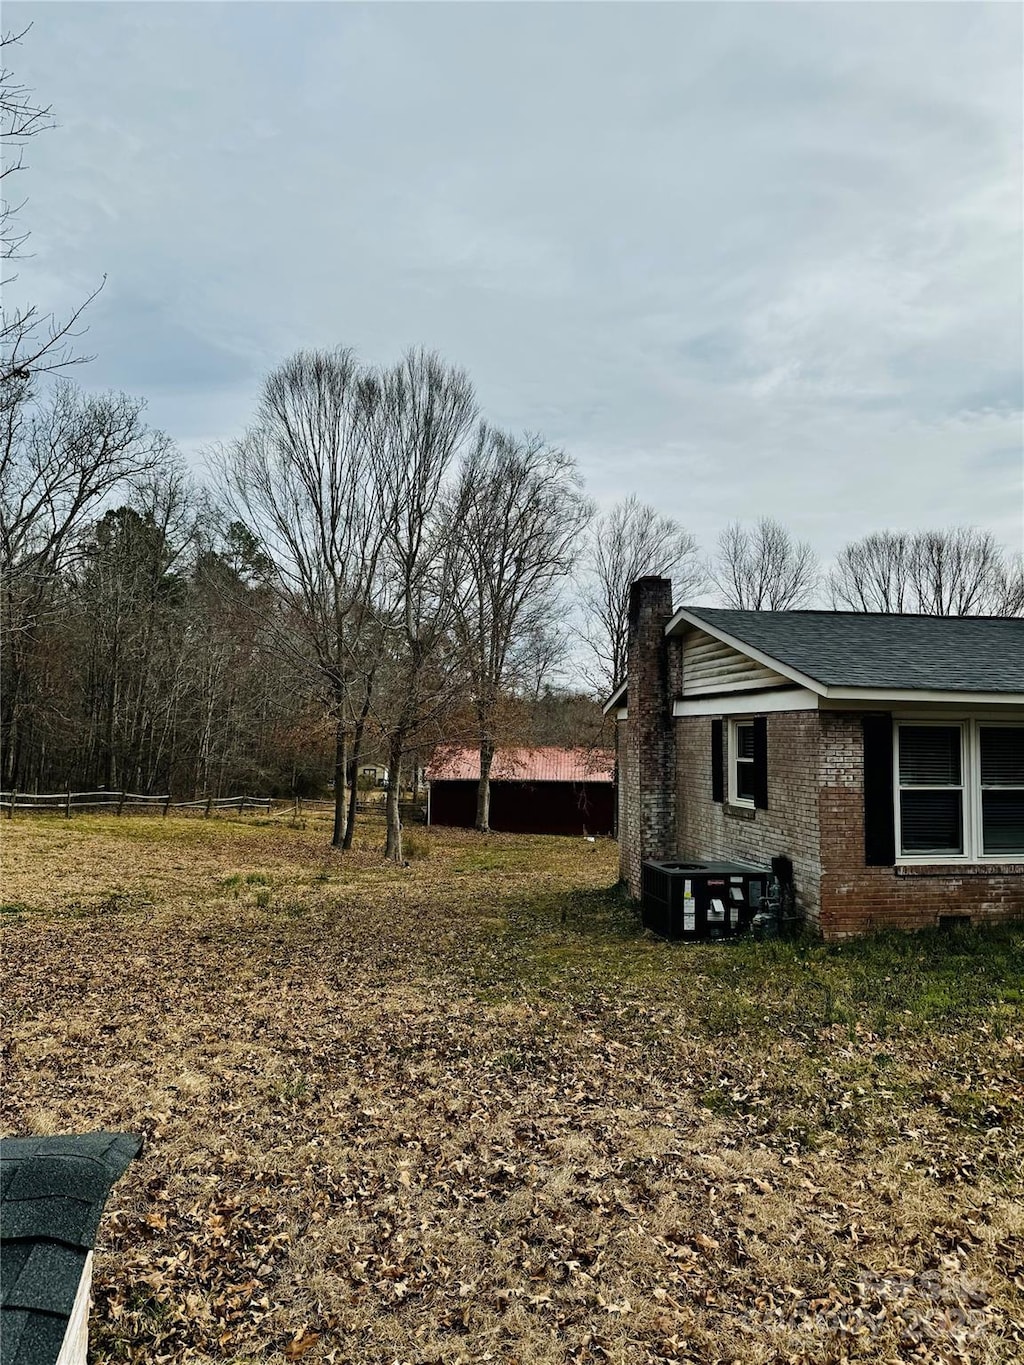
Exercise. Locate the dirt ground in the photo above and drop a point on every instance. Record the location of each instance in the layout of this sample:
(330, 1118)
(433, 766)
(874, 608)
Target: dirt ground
(466, 1110)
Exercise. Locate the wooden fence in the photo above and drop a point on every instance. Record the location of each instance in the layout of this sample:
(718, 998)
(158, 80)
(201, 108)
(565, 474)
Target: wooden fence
(135, 803)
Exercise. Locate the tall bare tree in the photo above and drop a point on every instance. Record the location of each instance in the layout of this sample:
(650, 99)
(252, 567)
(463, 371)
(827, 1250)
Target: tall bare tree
(628, 542)
(305, 482)
(762, 568)
(518, 513)
(960, 571)
(424, 412)
(31, 342)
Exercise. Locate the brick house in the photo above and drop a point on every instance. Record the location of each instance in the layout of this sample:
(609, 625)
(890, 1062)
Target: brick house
(882, 754)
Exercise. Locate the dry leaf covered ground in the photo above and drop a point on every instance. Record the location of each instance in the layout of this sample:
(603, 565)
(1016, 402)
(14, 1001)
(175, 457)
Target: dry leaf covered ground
(466, 1110)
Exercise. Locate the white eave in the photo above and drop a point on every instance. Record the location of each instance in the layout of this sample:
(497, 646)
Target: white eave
(615, 701)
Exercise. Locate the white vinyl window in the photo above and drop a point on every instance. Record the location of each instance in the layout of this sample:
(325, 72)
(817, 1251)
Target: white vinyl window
(959, 790)
(741, 762)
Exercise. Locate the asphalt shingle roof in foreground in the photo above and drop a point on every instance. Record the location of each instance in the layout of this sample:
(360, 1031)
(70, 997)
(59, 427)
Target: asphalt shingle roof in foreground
(52, 1193)
(863, 649)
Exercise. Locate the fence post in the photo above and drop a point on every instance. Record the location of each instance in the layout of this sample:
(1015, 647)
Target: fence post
(241, 804)
(67, 806)
(120, 802)
(209, 807)
(14, 802)
(167, 805)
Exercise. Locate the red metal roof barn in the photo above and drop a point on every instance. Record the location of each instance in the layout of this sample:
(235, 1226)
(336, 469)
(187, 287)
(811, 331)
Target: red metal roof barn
(542, 790)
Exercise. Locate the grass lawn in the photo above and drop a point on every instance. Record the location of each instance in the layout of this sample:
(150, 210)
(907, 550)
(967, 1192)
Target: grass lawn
(467, 1110)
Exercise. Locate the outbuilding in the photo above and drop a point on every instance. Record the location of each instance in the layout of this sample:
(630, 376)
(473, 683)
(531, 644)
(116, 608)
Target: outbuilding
(539, 790)
(881, 756)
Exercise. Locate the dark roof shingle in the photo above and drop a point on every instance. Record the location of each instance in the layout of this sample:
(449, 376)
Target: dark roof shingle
(52, 1193)
(863, 649)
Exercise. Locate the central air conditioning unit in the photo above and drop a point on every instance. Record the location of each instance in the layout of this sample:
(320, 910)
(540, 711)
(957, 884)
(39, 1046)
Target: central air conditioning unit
(683, 900)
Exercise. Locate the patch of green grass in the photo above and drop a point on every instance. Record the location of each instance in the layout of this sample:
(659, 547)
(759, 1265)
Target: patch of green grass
(589, 940)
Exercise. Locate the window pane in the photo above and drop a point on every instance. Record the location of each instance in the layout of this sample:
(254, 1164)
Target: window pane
(930, 755)
(931, 822)
(1002, 756)
(744, 741)
(1002, 822)
(745, 781)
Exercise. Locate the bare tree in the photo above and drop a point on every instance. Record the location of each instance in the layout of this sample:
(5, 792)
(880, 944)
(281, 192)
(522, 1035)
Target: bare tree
(303, 480)
(1011, 602)
(629, 542)
(60, 462)
(424, 412)
(31, 342)
(518, 513)
(957, 572)
(874, 574)
(763, 568)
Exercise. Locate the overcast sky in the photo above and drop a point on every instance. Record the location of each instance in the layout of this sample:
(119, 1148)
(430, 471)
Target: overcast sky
(738, 259)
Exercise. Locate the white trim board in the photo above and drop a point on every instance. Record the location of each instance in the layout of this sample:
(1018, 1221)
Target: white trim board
(74, 1348)
(747, 703)
(615, 697)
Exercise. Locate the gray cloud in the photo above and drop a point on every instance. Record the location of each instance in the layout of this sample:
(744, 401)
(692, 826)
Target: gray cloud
(740, 259)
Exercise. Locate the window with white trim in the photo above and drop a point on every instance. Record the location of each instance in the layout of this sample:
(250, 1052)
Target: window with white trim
(742, 782)
(960, 790)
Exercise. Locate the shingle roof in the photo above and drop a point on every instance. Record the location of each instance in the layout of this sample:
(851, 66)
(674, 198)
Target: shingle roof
(52, 1193)
(864, 649)
(543, 763)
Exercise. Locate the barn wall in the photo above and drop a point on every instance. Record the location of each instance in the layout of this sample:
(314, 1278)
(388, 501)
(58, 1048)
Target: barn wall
(529, 807)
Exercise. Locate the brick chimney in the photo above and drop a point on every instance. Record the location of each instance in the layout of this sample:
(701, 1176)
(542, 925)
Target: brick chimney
(647, 765)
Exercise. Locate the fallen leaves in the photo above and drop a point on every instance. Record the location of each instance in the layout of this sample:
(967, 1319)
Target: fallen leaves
(386, 1130)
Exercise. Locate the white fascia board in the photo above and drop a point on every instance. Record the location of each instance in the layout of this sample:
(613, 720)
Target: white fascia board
(615, 698)
(75, 1346)
(834, 696)
(686, 618)
(748, 703)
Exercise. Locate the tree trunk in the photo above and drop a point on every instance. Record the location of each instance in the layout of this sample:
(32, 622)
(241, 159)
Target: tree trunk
(357, 747)
(483, 791)
(340, 773)
(353, 791)
(393, 846)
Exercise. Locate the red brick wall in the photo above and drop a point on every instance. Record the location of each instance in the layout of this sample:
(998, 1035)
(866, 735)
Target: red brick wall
(712, 829)
(856, 899)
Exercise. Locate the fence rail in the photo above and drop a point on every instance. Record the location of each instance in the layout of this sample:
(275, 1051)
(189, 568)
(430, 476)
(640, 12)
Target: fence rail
(136, 803)
(132, 802)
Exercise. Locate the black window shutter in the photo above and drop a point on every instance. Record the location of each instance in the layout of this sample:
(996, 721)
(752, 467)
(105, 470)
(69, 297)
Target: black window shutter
(717, 762)
(761, 762)
(879, 823)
